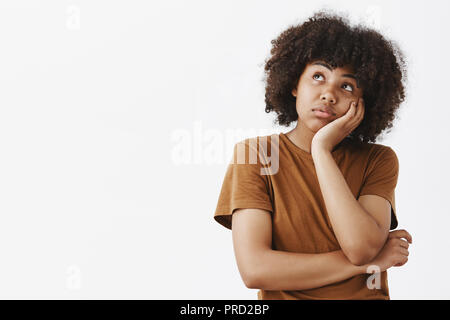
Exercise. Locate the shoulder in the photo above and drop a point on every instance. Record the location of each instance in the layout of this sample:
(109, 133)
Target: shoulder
(257, 140)
(371, 149)
(372, 154)
(382, 151)
(260, 144)
(380, 156)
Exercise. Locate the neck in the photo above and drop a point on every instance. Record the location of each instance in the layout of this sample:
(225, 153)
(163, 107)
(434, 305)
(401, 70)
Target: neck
(301, 136)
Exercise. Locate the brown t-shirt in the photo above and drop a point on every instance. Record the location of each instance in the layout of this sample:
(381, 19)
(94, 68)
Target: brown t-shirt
(272, 173)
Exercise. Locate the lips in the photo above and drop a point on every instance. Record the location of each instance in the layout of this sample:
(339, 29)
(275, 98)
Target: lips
(325, 109)
(322, 115)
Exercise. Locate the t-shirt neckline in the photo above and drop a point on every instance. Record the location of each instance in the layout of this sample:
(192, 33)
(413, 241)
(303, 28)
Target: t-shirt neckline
(292, 146)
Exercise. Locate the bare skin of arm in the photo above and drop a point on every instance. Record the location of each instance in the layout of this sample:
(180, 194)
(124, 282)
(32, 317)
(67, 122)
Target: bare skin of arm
(261, 267)
(360, 232)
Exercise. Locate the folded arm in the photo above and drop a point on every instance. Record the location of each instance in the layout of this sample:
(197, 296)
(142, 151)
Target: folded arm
(361, 226)
(261, 267)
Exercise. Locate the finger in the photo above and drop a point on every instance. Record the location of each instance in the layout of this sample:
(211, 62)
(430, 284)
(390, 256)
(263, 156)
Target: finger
(356, 107)
(403, 251)
(352, 110)
(403, 243)
(361, 108)
(401, 234)
(400, 242)
(401, 263)
(357, 117)
(351, 120)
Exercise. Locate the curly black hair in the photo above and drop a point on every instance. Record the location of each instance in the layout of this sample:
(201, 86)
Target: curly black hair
(378, 63)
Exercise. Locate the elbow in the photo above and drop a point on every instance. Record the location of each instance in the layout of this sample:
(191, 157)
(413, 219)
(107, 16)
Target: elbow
(360, 255)
(251, 281)
(252, 274)
(358, 260)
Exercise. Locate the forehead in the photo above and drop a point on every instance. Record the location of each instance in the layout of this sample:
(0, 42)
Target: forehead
(324, 64)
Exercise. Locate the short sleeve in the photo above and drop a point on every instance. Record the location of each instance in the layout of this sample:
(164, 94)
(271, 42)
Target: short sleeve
(244, 185)
(381, 178)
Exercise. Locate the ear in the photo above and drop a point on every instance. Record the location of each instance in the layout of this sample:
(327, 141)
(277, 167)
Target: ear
(294, 92)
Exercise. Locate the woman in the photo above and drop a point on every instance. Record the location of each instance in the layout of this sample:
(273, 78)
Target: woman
(311, 210)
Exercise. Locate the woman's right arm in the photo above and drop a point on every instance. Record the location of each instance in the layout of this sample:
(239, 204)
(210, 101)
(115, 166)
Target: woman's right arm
(261, 267)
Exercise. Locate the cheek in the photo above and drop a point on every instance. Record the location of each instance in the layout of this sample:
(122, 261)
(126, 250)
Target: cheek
(306, 94)
(305, 101)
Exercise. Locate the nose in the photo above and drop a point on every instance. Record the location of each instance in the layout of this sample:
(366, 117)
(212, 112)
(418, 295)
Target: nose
(328, 95)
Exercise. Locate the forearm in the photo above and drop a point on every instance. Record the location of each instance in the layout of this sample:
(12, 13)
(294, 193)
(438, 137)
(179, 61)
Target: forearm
(354, 228)
(282, 270)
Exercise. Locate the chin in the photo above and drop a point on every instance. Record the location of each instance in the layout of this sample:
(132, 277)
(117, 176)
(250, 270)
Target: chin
(315, 126)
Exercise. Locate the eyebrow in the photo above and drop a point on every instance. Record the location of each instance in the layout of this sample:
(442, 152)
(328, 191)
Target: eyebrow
(348, 75)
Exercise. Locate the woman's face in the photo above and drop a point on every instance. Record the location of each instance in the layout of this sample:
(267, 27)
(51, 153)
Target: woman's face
(319, 87)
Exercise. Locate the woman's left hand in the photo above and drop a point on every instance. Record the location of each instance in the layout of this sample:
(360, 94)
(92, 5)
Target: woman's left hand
(334, 132)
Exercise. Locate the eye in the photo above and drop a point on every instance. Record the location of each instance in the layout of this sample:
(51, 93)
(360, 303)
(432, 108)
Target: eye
(317, 74)
(346, 84)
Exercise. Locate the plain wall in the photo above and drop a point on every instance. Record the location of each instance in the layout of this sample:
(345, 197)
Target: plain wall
(100, 98)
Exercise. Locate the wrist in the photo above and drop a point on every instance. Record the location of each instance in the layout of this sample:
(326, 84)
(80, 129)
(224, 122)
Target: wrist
(360, 269)
(318, 150)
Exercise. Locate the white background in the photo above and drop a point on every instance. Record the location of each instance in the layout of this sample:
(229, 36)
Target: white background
(95, 201)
